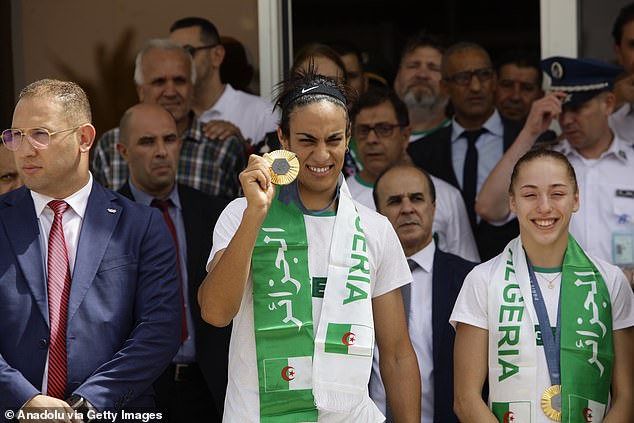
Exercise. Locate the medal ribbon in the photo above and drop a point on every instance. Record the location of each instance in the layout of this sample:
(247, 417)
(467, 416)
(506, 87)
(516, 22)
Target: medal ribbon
(552, 342)
(584, 323)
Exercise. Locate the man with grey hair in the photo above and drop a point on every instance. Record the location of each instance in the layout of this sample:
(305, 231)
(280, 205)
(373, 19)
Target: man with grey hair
(164, 74)
(465, 152)
(407, 197)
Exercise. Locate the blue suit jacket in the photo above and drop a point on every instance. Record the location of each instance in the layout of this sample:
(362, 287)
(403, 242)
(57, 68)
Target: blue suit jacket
(124, 307)
(200, 213)
(448, 275)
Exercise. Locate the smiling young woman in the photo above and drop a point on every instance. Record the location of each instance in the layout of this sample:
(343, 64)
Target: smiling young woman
(309, 279)
(543, 193)
(550, 325)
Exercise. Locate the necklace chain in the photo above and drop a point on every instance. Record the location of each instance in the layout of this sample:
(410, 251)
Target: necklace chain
(550, 283)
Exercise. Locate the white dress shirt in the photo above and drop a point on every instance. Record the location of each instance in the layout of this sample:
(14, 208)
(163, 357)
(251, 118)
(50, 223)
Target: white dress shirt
(252, 114)
(421, 335)
(622, 122)
(451, 225)
(605, 217)
(71, 221)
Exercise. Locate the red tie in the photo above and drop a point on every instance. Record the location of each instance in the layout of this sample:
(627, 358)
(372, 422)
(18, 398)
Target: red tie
(163, 205)
(58, 292)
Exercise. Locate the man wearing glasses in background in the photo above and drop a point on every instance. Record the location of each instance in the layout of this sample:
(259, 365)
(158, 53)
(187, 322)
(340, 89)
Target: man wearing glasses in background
(224, 110)
(465, 152)
(381, 127)
(89, 292)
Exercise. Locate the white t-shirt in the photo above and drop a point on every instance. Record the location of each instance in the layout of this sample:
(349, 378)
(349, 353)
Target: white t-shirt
(252, 114)
(388, 271)
(471, 307)
(451, 223)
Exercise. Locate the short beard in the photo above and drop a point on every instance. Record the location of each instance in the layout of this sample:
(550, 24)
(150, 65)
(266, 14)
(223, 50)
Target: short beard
(419, 102)
(418, 99)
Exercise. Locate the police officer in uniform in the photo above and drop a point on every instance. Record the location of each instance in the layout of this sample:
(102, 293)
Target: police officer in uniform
(582, 100)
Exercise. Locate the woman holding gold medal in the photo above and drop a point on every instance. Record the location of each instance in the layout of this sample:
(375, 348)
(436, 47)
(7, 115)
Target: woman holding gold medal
(309, 279)
(550, 326)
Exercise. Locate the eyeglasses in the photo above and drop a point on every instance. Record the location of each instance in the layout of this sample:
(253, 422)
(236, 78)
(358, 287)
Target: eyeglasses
(382, 130)
(464, 78)
(192, 50)
(40, 138)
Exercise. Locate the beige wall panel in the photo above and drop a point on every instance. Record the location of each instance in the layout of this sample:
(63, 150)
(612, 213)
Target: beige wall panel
(94, 42)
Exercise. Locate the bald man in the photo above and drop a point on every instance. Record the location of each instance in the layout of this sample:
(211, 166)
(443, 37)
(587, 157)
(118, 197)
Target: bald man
(407, 197)
(193, 386)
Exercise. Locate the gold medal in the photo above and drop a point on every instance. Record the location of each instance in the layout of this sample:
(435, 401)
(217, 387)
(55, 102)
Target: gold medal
(284, 166)
(551, 403)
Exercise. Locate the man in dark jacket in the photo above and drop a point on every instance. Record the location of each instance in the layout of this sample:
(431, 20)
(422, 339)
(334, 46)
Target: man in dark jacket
(465, 152)
(406, 196)
(192, 388)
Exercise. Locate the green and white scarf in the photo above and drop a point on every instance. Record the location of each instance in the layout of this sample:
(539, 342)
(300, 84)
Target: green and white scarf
(297, 371)
(586, 350)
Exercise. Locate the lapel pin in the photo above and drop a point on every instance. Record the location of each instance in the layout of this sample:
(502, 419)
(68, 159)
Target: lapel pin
(112, 211)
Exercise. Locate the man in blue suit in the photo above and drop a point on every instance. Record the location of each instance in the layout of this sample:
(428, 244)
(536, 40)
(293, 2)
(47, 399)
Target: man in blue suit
(89, 293)
(406, 196)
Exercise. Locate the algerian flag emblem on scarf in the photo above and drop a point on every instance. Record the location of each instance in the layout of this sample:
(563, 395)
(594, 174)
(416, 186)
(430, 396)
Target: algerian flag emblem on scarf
(585, 410)
(288, 374)
(512, 412)
(349, 339)
(283, 321)
(586, 351)
(283, 317)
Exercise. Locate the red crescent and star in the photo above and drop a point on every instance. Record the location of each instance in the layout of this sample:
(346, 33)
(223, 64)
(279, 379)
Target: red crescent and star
(587, 415)
(348, 339)
(288, 373)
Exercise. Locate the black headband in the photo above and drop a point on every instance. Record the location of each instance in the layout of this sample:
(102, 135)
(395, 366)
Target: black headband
(315, 89)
